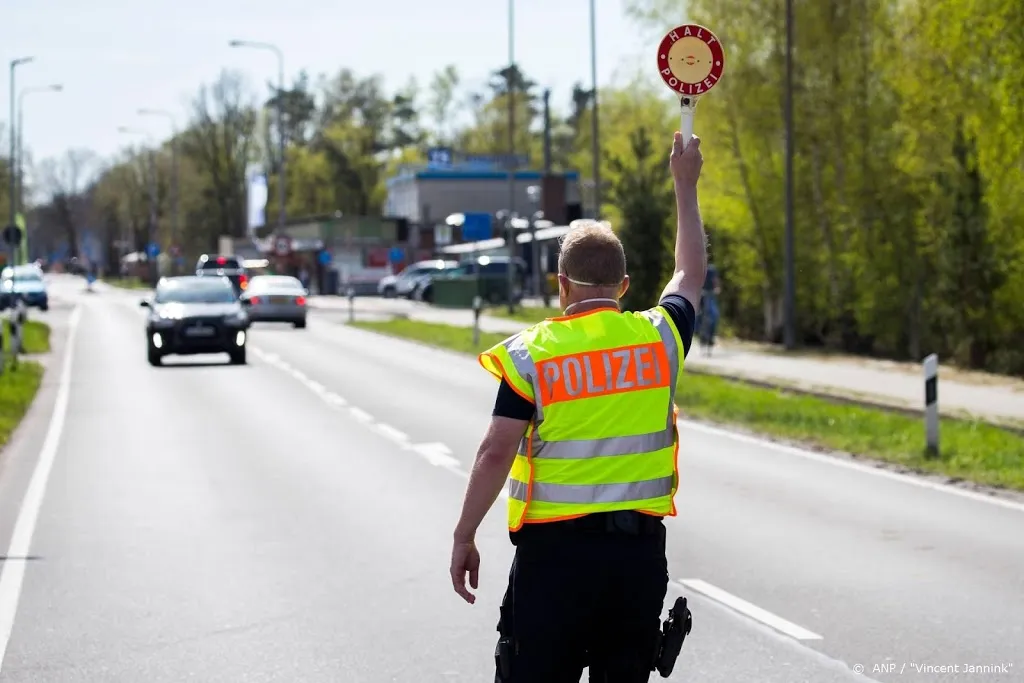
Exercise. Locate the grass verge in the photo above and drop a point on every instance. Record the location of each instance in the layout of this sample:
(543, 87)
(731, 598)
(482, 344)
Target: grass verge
(971, 451)
(18, 386)
(127, 283)
(527, 314)
(35, 336)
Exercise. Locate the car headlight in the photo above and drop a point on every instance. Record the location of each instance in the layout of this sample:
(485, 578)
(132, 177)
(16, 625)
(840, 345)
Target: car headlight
(161, 321)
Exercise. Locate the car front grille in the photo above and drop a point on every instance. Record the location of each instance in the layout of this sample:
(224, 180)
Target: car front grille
(184, 337)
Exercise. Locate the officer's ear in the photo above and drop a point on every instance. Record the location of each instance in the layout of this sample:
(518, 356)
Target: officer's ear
(563, 284)
(624, 287)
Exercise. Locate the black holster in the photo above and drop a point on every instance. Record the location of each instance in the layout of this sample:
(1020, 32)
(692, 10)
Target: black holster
(504, 651)
(670, 641)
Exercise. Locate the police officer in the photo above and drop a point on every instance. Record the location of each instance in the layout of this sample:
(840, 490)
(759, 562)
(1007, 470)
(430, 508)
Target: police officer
(584, 429)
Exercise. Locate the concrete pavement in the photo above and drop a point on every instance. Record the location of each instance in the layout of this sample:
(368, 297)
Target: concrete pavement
(888, 383)
(291, 520)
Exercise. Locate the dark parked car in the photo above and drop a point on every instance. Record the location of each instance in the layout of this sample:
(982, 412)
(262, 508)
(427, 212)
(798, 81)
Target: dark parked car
(493, 278)
(190, 315)
(230, 267)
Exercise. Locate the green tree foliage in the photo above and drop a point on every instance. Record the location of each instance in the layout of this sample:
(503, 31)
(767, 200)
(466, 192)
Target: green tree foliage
(639, 191)
(909, 165)
(909, 194)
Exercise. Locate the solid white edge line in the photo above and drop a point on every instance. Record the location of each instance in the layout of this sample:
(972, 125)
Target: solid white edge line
(855, 466)
(13, 572)
(749, 610)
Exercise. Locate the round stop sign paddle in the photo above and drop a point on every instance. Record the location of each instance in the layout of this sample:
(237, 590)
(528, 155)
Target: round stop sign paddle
(690, 61)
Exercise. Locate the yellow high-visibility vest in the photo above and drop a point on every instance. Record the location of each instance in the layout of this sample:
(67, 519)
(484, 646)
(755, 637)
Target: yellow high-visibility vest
(604, 434)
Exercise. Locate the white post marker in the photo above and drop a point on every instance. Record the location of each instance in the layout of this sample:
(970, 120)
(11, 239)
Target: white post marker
(931, 404)
(351, 304)
(690, 61)
(477, 304)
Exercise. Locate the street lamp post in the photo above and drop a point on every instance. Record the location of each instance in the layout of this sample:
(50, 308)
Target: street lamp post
(152, 227)
(595, 145)
(19, 169)
(534, 192)
(510, 237)
(15, 63)
(789, 295)
(175, 175)
(282, 215)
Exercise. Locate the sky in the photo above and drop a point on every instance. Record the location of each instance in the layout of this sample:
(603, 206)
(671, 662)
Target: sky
(113, 57)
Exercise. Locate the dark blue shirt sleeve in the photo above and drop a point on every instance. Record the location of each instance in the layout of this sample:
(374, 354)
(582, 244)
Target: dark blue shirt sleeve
(683, 315)
(510, 404)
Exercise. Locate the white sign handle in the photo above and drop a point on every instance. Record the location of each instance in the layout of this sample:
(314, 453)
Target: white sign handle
(687, 107)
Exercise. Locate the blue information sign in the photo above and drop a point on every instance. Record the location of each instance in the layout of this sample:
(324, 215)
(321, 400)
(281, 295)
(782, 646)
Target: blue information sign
(476, 227)
(152, 249)
(324, 257)
(396, 255)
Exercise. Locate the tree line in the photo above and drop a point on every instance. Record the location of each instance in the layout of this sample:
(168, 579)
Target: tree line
(909, 166)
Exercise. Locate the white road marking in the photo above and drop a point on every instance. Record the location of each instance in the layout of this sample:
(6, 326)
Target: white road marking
(13, 572)
(360, 414)
(436, 453)
(856, 466)
(392, 433)
(750, 610)
(334, 399)
(317, 387)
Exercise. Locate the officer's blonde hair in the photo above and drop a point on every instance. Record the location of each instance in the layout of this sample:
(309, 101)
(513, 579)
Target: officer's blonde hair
(592, 254)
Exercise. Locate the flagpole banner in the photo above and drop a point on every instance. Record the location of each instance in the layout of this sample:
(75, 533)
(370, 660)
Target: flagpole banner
(256, 197)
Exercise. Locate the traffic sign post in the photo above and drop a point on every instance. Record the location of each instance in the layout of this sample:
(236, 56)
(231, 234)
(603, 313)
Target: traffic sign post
(12, 235)
(12, 238)
(152, 250)
(282, 245)
(690, 62)
(396, 255)
(476, 227)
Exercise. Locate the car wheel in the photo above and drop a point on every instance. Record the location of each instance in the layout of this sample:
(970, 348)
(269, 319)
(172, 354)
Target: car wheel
(155, 359)
(238, 356)
(300, 324)
(389, 292)
(44, 308)
(428, 295)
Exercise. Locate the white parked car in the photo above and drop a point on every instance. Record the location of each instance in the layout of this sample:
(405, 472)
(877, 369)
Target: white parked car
(403, 283)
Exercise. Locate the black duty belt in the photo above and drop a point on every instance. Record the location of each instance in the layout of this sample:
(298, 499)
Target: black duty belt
(624, 522)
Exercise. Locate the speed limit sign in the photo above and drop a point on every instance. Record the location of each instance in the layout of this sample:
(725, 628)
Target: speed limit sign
(282, 245)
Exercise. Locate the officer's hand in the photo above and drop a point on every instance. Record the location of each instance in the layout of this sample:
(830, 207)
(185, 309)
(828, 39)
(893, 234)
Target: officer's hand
(685, 163)
(465, 558)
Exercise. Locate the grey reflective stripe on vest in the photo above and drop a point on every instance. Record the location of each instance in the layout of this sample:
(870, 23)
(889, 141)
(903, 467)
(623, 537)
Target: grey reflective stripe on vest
(526, 369)
(595, 448)
(664, 327)
(596, 493)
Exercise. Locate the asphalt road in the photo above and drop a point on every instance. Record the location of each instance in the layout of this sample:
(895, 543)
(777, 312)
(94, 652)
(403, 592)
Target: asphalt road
(291, 521)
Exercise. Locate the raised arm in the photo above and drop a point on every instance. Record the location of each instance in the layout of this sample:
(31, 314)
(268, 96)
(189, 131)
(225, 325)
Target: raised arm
(691, 243)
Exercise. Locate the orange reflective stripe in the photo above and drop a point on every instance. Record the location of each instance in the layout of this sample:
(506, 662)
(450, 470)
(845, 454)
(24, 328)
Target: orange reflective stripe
(603, 373)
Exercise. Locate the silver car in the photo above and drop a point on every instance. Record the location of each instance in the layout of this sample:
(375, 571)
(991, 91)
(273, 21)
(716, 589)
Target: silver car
(275, 298)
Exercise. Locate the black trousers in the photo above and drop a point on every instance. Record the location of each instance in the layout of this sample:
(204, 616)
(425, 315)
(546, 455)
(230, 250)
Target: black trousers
(585, 593)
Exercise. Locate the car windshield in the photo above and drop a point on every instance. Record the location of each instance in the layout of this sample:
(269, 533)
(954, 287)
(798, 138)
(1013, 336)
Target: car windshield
(265, 282)
(196, 292)
(27, 276)
(219, 263)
